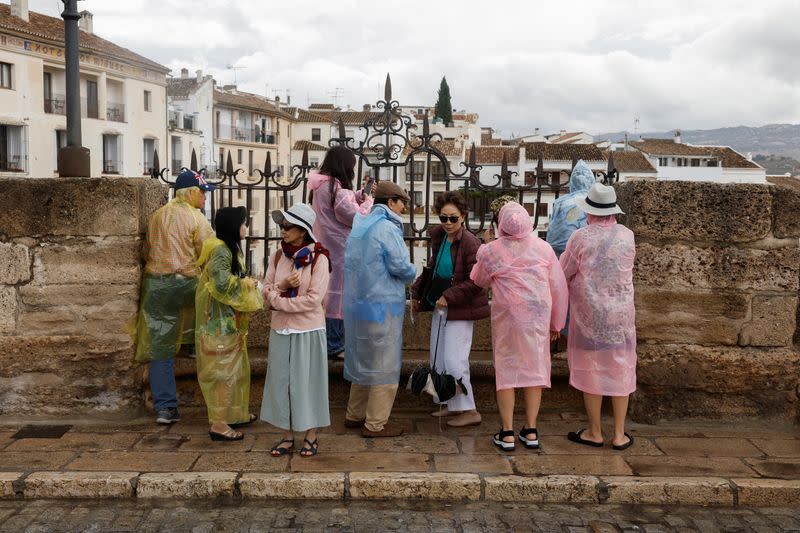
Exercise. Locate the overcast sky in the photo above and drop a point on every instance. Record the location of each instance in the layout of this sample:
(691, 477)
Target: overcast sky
(592, 66)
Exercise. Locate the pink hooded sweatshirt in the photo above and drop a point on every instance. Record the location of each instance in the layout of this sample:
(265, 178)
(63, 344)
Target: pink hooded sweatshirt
(529, 299)
(332, 228)
(601, 345)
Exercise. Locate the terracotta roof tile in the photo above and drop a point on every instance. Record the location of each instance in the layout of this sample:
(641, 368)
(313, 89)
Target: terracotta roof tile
(181, 87)
(487, 140)
(51, 29)
(312, 147)
(730, 158)
(562, 152)
(631, 161)
(669, 147)
(249, 101)
(493, 155)
(322, 107)
(449, 147)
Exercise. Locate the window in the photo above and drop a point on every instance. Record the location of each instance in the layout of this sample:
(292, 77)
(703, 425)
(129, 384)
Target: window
(436, 196)
(250, 163)
(148, 101)
(239, 156)
(695, 162)
(415, 172)
(438, 172)
(177, 155)
(555, 178)
(12, 149)
(313, 161)
(222, 158)
(316, 134)
(528, 207)
(418, 200)
(542, 211)
(61, 142)
(91, 99)
(111, 159)
(543, 235)
(5, 76)
(148, 150)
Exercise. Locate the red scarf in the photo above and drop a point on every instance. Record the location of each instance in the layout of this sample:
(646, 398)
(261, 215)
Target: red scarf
(300, 260)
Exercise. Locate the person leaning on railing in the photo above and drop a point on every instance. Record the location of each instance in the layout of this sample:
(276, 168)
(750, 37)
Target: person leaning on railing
(455, 300)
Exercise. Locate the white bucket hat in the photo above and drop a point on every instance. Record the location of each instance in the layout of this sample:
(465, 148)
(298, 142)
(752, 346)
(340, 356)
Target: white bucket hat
(300, 215)
(601, 201)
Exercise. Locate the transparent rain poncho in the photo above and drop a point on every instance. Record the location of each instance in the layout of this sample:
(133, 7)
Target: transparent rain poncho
(529, 299)
(601, 348)
(224, 303)
(377, 269)
(567, 217)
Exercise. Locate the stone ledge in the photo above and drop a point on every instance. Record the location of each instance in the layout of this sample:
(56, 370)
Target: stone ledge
(293, 486)
(668, 490)
(79, 485)
(542, 489)
(186, 485)
(768, 492)
(7, 480)
(397, 485)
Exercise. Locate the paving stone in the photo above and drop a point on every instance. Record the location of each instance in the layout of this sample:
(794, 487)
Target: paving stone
(476, 464)
(77, 442)
(778, 468)
(186, 485)
(416, 444)
(689, 466)
(241, 462)
(768, 492)
(79, 485)
(707, 447)
(360, 462)
(391, 485)
(559, 445)
(328, 442)
(668, 490)
(482, 444)
(593, 465)
(203, 443)
(544, 489)
(159, 442)
(292, 486)
(127, 461)
(779, 447)
(7, 480)
(32, 461)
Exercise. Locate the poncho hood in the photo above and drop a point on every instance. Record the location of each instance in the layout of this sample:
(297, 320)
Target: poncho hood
(582, 177)
(514, 221)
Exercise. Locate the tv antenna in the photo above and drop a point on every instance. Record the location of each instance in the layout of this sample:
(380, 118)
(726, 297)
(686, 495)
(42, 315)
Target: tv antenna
(335, 94)
(234, 69)
(635, 125)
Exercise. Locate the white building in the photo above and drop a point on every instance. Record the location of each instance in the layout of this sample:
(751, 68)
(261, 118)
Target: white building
(190, 102)
(123, 98)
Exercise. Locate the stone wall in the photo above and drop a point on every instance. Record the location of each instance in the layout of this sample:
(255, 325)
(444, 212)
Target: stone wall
(717, 276)
(69, 282)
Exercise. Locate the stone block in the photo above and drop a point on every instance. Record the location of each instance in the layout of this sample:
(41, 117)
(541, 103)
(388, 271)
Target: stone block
(293, 486)
(768, 492)
(15, 263)
(773, 322)
(701, 317)
(65, 206)
(398, 485)
(152, 195)
(542, 489)
(80, 261)
(186, 485)
(704, 491)
(8, 310)
(122, 461)
(79, 485)
(7, 480)
(786, 204)
(680, 266)
(696, 212)
(83, 295)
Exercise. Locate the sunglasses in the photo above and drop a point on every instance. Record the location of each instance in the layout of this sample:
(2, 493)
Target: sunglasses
(287, 227)
(452, 219)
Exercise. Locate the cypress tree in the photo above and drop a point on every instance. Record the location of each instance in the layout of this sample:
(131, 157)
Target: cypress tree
(444, 108)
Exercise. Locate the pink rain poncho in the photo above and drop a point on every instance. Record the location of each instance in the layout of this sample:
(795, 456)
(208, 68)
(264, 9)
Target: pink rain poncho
(601, 346)
(529, 299)
(332, 228)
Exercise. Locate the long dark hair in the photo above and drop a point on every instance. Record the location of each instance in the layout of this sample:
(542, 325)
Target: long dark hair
(339, 163)
(227, 224)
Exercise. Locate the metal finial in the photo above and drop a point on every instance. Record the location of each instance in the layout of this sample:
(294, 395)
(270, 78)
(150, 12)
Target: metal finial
(387, 90)
(268, 165)
(193, 164)
(341, 128)
(229, 165)
(304, 161)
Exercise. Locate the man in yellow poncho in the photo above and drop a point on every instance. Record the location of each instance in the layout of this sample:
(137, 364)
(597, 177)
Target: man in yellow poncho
(175, 235)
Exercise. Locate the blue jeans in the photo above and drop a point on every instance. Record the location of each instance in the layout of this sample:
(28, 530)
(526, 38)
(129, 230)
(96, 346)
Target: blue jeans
(334, 329)
(162, 384)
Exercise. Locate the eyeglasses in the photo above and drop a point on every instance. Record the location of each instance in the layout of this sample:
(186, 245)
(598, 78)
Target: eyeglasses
(452, 218)
(287, 227)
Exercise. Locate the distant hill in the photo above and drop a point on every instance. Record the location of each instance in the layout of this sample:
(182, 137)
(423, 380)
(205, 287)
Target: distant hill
(772, 139)
(778, 165)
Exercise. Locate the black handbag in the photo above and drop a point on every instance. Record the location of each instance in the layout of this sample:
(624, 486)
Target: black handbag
(440, 385)
(432, 285)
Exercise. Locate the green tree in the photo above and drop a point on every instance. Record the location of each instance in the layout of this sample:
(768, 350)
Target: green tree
(444, 108)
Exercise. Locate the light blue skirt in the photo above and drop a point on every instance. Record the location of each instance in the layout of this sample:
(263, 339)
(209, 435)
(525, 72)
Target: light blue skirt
(296, 387)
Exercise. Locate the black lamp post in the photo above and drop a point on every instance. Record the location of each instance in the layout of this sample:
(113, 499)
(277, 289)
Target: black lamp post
(73, 159)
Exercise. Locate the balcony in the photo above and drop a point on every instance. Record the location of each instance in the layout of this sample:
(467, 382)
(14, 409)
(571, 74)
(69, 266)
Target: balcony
(112, 166)
(56, 104)
(115, 112)
(246, 135)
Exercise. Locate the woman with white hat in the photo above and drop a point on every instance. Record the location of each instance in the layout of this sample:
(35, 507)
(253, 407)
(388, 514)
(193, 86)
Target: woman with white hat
(601, 348)
(296, 386)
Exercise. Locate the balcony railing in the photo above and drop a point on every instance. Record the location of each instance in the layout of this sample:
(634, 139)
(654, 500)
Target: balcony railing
(112, 166)
(115, 112)
(56, 104)
(246, 135)
(14, 163)
(89, 108)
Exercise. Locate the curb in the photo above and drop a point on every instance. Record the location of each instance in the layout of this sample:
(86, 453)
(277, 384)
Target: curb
(574, 489)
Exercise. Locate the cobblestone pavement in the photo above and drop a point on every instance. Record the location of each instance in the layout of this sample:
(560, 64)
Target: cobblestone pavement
(197, 516)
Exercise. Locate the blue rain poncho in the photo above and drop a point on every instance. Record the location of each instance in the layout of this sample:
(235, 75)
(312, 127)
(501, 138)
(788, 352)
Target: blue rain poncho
(567, 217)
(376, 271)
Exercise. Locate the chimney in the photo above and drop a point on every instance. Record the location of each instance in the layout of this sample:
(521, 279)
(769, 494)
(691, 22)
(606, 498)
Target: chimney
(199, 75)
(86, 23)
(184, 73)
(536, 131)
(677, 136)
(366, 107)
(563, 132)
(19, 9)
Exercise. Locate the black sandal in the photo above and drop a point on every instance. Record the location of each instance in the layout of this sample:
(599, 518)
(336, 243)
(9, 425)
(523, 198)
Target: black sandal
(278, 450)
(575, 436)
(531, 444)
(228, 435)
(253, 418)
(624, 446)
(500, 443)
(310, 450)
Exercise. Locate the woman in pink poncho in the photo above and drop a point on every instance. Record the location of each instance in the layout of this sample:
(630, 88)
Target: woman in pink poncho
(335, 204)
(601, 346)
(529, 308)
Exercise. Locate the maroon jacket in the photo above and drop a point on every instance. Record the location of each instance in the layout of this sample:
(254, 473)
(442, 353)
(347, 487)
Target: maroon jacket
(465, 300)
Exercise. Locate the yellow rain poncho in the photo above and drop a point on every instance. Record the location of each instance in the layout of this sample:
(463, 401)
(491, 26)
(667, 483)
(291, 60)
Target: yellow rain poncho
(175, 236)
(224, 303)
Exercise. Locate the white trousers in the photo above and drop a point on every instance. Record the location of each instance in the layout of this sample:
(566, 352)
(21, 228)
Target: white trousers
(455, 343)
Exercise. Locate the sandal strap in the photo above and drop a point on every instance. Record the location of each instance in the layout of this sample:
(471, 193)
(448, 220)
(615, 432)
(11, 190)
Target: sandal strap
(505, 433)
(279, 447)
(312, 444)
(527, 431)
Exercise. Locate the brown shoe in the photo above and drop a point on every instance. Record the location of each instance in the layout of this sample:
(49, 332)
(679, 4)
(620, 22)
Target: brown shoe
(467, 418)
(389, 430)
(353, 424)
(444, 413)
